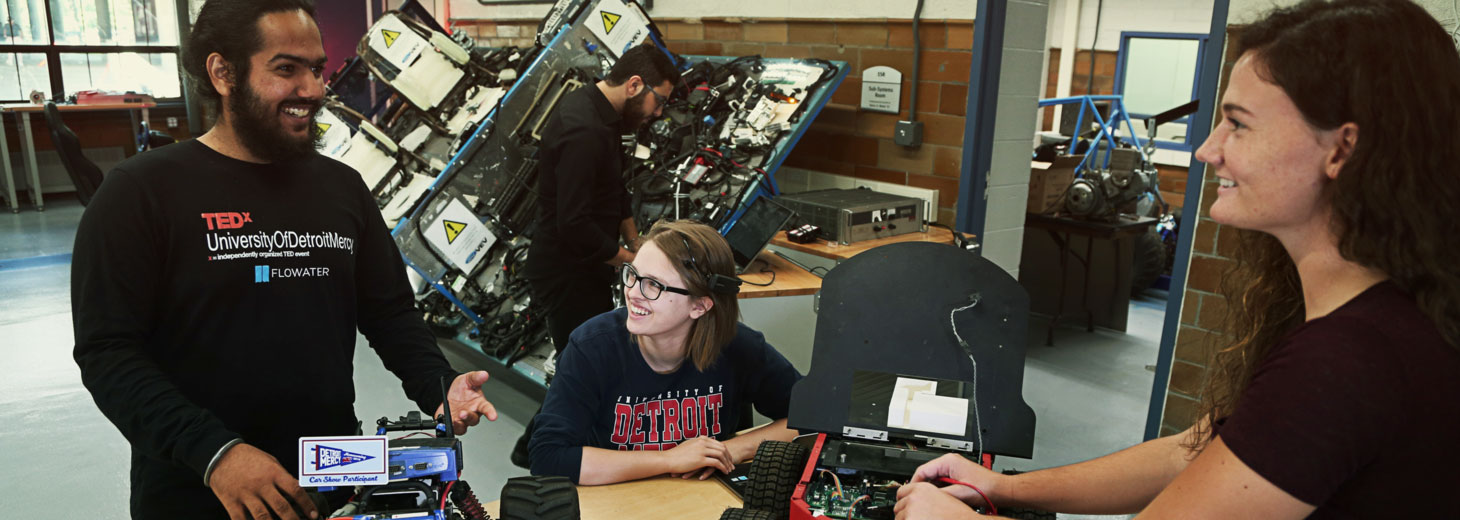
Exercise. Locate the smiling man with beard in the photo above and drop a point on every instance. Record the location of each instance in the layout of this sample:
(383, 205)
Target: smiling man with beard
(218, 284)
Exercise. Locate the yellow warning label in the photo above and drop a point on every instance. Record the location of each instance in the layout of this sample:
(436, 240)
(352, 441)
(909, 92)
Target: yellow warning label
(453, 230)
(390, 37)
(322, 127)
(609, 20)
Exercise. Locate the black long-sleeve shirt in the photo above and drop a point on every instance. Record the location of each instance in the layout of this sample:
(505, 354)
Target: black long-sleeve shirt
(581, 195)
(215, 299)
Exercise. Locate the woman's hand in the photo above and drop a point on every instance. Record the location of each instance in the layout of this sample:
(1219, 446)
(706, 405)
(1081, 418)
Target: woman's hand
(704, 452)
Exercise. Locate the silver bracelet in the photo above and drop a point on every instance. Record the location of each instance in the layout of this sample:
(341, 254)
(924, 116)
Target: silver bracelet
(208, 473)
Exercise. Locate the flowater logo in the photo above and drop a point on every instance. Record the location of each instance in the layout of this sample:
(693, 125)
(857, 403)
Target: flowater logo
(226, 220)
(265, 274)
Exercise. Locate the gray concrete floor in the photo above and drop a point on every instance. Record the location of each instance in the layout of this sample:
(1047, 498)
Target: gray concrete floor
(1090, 391)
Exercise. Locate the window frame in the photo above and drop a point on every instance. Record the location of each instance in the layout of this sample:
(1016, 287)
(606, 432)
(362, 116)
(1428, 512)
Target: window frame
(1120, 65)
(53, 52)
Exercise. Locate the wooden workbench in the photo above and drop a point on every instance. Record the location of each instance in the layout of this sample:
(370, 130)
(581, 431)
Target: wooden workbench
(840, 252)
(658, 497)
(790, 280)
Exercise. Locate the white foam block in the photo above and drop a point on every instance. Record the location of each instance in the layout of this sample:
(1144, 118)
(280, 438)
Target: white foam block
(938, 414)
(897, 409)
(902, 395)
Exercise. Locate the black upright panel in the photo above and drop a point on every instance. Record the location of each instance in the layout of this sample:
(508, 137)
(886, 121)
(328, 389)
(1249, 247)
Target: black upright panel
(885, 313)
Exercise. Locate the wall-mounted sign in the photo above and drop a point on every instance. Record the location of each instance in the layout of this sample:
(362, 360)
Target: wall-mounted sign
(882, 90)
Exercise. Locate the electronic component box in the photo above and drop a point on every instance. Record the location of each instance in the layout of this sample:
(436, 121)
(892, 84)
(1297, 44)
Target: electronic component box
(853, 215)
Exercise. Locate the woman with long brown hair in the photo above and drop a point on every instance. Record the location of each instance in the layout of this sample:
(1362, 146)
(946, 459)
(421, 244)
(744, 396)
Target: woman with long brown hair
(659, 386)
(1339, 394)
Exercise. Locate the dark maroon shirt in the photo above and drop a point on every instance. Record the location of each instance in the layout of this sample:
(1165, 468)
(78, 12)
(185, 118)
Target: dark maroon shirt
(1358, 413)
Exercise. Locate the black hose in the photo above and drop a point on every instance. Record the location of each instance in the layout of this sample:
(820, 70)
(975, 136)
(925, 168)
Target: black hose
(1095, 38)
(912, 109)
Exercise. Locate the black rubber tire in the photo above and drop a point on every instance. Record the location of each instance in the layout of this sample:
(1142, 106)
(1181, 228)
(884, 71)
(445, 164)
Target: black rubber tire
(778, 465)
(539, 498)
(1148, 261)
(735, 513)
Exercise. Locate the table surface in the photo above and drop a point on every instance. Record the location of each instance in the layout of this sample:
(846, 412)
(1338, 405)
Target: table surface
(790, 280)
(658, 497)
(28, 107)
(840, 252)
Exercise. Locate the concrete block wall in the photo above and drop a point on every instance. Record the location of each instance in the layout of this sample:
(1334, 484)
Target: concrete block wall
(1022, 69)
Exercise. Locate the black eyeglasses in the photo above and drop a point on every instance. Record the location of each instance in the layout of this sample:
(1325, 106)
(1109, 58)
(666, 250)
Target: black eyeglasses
(658, 99)
(651, 288)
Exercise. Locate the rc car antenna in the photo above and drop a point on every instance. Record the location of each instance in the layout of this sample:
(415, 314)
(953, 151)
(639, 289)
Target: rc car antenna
(446, 409)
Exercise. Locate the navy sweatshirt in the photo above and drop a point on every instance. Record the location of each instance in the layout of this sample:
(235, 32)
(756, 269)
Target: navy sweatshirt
(606, 396)
(215, 299)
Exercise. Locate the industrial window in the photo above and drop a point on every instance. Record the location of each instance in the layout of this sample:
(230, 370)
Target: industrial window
(1156, 72)
(66, 46)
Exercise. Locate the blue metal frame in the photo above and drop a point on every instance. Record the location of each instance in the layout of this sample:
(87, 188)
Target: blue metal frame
(1107, 130)
(1120, 59)
(978, 126)
(1210, 73)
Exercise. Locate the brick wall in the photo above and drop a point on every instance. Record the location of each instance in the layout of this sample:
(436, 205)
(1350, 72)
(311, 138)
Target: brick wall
(843, 139)
(1202, 307)
(517, 33)
(1079, 79)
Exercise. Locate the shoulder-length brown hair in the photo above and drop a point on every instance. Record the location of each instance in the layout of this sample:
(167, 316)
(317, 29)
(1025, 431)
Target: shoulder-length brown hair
(1390, 68)
(696, 251)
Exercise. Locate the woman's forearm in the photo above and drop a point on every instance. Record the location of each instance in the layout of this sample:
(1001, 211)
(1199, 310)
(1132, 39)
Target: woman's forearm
(1120, 483)
(602, 466)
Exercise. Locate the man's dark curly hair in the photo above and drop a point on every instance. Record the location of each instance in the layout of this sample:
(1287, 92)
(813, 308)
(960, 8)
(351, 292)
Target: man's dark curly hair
(231, 29)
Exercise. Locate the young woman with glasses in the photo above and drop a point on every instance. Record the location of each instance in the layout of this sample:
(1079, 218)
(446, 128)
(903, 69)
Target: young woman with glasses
(659, 386)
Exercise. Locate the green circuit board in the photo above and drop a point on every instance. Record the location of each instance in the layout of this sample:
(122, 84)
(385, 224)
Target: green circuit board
(822, 497)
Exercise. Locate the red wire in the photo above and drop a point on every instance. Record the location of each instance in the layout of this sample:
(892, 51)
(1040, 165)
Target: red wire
(992, 510)
(447, 493)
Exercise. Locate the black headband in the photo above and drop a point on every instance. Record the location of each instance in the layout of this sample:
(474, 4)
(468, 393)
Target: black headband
(719, 284)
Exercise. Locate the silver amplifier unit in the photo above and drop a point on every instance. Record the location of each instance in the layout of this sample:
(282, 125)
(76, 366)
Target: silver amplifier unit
(854, 215)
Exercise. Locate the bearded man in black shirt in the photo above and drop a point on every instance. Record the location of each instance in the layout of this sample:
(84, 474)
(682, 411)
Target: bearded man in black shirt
(218, 284)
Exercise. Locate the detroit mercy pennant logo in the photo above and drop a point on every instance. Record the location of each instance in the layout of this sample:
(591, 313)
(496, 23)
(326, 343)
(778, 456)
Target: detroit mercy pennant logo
(326, 457)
